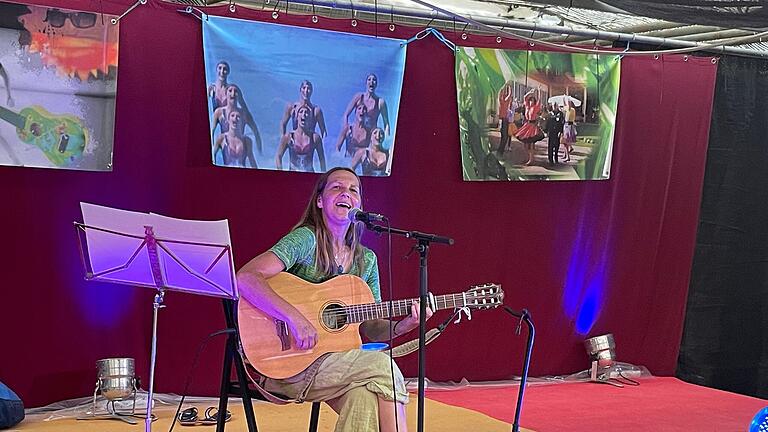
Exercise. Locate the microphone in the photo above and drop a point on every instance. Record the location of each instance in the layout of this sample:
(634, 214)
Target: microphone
(356, 214)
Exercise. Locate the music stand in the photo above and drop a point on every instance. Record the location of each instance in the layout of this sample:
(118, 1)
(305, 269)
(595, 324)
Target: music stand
(159, 252)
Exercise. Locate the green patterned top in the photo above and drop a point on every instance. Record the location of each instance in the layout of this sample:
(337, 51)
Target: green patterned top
(297, 251)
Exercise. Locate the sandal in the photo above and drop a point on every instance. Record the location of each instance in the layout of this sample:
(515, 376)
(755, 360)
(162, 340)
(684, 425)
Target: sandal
(212, 416)
(188, 417)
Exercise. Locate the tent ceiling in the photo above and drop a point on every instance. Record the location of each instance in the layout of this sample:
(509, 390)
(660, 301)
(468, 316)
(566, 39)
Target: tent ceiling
(694, 20)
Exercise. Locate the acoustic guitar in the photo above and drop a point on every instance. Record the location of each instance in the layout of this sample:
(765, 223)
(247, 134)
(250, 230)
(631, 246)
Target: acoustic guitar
(336, 308)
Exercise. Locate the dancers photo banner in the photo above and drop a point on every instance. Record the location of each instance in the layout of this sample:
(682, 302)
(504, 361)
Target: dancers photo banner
(58, 76)
(300, 99)
(534, 115)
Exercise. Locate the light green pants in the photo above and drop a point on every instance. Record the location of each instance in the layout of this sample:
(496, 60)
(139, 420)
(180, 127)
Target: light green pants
(351, 382)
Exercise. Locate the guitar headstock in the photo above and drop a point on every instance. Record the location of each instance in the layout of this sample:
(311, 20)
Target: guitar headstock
(484, 296)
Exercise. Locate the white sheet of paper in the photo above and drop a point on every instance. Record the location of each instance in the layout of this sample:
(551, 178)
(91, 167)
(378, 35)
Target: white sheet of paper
(197, 258)
(205, 268)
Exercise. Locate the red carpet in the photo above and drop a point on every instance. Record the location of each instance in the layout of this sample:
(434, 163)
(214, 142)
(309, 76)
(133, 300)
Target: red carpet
(658, 404)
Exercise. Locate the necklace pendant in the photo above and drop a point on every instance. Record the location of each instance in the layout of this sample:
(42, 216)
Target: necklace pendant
(340, 270)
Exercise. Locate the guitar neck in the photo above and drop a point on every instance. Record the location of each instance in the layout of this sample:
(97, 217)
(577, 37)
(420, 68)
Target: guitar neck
(12, 118)
(365, 312)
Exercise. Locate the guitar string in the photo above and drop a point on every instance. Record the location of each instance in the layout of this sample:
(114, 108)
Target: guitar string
(373, 307)
(407, 302)
(381, 307)
(363, 311)
(493, 292)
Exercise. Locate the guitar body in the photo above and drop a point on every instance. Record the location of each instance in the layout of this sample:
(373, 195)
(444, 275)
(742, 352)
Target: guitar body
(269, 346)
(336, 308)
(61, 137)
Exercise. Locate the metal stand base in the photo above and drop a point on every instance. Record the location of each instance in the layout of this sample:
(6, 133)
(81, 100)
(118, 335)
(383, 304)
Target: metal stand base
(524, 316)
(601, 378)
(109, 417)
(112, 412)
(128, 418)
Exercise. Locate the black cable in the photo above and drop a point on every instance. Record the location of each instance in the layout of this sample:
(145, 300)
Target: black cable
(442, 328)
(391, 327)
(598, 114)
(527, 56)
(192, 370)
(448, 321)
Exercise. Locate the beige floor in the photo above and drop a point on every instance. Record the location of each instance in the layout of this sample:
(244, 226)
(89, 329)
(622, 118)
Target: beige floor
(273, 418)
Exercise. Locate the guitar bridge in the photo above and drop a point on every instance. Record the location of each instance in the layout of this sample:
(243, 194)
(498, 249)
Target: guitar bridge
(281, 329)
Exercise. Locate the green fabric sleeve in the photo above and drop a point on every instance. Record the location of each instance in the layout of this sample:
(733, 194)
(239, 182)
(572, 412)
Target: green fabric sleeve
(371, 273)
(297, 252)
(298, 246)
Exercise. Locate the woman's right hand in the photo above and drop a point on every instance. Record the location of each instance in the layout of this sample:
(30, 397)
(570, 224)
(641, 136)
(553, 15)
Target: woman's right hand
(304, 333)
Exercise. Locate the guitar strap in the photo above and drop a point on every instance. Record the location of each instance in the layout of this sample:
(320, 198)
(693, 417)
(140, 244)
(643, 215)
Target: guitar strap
(259, 382)
(406, 348)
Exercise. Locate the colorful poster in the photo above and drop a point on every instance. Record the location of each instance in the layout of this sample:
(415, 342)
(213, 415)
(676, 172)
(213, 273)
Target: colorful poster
(58, 75)
(298, 99)
(531, 115)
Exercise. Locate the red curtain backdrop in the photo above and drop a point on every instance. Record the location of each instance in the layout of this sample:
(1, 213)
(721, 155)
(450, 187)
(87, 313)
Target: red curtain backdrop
(584, 257)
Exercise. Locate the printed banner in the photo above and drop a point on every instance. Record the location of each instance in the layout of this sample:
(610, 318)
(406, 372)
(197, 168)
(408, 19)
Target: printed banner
(58, 75)
(291, 98)
(528, 115)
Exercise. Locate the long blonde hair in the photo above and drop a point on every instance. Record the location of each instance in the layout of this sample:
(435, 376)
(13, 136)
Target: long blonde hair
(313, 219)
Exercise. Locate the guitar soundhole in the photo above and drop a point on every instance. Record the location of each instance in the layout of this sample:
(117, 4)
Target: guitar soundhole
(334, 317)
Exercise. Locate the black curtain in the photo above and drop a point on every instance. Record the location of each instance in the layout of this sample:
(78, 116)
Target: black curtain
(725, 336)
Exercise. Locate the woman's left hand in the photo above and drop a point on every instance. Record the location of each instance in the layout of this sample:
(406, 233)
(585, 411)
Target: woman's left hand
(412, 321)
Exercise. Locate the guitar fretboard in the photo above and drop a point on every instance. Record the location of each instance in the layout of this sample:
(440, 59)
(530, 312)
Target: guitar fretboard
(365, 312)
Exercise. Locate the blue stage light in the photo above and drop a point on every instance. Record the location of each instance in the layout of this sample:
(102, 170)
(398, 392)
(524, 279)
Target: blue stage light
(588, 313)
(584, 293)
(760, 422)
(585, 286)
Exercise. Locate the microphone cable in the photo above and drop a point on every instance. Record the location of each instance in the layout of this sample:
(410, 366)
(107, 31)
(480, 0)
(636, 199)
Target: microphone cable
(192, 370)
(391, 326)
(410, 346)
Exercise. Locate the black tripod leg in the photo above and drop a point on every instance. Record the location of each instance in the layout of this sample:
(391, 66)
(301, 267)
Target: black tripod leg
(250, 416)
(225, 384)
(314, 417)
(230, 354)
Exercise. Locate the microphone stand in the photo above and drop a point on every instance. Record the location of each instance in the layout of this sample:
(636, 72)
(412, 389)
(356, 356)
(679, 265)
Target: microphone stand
(423, 240)
(524, 315)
